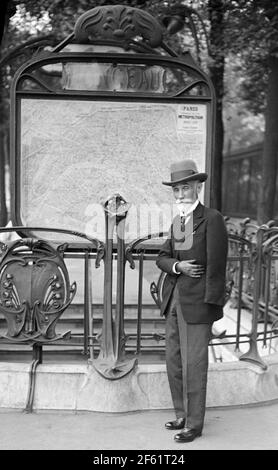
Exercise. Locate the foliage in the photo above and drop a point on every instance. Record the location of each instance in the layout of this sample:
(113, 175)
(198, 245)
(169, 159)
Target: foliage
(241, 33)
(242, 127)
(252, 30)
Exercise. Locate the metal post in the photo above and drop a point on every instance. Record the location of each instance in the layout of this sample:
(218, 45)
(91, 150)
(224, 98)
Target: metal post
(106, 338)
(266, 294)
(252, 355)
(119, 334)
(88, 323)
(37, 359)
(111, 362)
(239, 296)
(86, 319)
(140, 286)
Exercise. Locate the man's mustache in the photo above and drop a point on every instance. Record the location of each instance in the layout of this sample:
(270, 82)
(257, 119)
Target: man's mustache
(184, 201)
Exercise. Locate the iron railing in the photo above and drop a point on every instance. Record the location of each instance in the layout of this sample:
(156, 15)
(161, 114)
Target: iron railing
(252, 283)
(86, 250)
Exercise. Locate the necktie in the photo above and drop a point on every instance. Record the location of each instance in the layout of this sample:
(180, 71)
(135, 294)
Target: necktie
(183, 223)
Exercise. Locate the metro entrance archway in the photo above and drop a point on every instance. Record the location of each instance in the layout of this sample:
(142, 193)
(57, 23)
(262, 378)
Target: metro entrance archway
(96, 123)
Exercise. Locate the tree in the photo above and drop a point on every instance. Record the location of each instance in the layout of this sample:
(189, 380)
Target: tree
(243, 127)
(256, 39)
(270, 156)
(216, 11)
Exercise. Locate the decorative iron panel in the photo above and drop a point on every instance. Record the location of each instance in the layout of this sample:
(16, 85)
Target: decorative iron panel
(34, 290)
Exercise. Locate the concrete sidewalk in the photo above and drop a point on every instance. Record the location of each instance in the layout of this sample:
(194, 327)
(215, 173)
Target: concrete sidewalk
(240, 428)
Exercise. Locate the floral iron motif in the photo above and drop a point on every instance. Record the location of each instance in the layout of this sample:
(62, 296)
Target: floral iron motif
(116, 205)
(117, 23)
(34, 290)
(112, 362)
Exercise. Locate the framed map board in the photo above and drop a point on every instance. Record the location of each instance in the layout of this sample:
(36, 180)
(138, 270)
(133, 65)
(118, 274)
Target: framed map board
(74, 154)
(74, 148)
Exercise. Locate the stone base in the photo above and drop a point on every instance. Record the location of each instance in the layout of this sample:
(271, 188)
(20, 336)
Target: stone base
(81, 388)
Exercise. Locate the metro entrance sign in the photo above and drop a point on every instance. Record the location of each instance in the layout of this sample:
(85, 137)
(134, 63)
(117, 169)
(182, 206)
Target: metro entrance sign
(105, 112)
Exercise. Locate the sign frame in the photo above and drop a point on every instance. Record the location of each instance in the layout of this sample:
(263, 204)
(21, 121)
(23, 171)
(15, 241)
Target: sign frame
(25, 72)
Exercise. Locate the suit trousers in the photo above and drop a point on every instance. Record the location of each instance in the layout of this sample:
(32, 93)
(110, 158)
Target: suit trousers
(187, 364)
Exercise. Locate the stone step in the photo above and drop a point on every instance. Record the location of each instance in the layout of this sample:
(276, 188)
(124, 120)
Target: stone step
(151, 322)
(130, 310)
(130, 330)
(76, 312)
(148, 328)
(73, 320)
(229, 323)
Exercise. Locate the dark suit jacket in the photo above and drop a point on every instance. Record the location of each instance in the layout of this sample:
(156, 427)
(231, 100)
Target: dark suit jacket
(201, 299)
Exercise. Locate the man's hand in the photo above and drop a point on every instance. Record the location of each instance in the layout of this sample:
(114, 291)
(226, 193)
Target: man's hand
(190, 269)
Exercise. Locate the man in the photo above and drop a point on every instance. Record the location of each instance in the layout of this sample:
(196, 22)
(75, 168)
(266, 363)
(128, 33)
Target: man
(194, 258)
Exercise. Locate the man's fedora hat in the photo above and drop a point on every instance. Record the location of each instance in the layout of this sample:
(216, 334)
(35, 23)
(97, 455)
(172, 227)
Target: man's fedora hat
(183, 171)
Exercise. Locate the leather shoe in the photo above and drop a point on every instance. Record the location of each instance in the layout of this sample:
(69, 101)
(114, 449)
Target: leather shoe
(176, 424)
(187, 435)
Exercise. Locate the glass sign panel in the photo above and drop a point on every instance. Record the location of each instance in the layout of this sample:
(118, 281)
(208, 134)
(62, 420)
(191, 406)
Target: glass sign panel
(95, 76)
(124, 77)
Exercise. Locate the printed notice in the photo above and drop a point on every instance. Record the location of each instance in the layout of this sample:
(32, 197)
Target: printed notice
(192, 130)
(191, 119)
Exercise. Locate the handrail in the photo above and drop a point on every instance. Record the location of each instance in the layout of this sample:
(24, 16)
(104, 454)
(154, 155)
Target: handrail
(99, 245)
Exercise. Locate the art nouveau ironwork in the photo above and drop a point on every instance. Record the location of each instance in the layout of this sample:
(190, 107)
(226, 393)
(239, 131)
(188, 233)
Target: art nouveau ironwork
(80, 115)
(111, 362)
(114, 68)
(34, 290)
(117, 23)
(265, 251)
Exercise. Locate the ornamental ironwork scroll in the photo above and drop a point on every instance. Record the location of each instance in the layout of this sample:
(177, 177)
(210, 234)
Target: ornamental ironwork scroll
(112, 362)
(119, 23)
(114, 62)
(34, 290)
(266, 244)
(115, 55)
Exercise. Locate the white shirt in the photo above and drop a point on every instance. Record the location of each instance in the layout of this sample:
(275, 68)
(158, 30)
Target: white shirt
(186, 215)
(191, 209)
